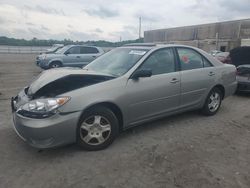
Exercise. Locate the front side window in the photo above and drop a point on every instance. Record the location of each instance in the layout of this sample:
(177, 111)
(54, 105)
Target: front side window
(160, 62)
(74, 50)
(206, 63)
(189, 59)
(89, 50)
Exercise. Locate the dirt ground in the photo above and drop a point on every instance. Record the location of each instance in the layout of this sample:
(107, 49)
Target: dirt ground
(183, 151)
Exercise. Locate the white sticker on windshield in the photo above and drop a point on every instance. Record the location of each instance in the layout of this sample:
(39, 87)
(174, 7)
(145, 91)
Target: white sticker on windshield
(137, 52)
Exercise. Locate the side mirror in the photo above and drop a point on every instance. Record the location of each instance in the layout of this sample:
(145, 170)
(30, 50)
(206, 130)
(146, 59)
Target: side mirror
(142, 73)
(66, 53)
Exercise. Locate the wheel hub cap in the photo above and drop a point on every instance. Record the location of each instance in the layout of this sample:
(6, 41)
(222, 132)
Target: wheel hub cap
(95, 130)
(214, 102)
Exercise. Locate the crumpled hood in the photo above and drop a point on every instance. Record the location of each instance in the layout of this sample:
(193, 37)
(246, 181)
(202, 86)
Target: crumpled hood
(60, 80)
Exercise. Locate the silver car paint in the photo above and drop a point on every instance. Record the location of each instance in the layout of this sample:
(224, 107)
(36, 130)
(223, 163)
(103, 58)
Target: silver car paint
(139, 101)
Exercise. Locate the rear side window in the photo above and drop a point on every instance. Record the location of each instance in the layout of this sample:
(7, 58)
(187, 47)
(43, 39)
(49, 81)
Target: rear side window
(160, 62)
(189, 59)
(89, 50)
(74, 50)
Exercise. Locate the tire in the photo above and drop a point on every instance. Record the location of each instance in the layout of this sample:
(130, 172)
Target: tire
(211, 107)
(97, 129)
(55, 64)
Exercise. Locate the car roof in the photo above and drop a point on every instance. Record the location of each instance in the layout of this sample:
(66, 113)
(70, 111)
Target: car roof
(71, 45)
(156, 46)
(150, 46)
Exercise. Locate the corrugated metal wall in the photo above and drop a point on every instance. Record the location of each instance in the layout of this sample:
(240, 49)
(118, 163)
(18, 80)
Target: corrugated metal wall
(229, 33)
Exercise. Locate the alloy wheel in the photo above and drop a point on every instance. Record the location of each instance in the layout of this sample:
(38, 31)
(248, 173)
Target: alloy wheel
(95, 130)
(214, 101)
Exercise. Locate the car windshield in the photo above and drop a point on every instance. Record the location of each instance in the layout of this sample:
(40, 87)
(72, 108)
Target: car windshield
(117, 62)
(62, 50)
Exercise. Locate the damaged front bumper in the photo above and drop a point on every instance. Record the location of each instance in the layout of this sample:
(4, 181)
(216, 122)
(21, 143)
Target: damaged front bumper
(57, 130)
(42, 64)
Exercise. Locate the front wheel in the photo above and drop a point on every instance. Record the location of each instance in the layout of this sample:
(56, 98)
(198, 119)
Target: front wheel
(97, 129)
(55, 65)
(213, 102)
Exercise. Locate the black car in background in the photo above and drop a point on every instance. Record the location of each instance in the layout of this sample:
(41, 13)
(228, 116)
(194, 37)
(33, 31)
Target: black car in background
(240, 57)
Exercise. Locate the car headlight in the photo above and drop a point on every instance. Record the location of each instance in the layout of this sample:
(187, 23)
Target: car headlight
(42, 108)
(43, 57)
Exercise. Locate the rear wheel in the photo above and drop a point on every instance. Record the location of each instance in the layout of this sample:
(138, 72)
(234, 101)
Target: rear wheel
(213, 102)
(97, 129)
(55, 65)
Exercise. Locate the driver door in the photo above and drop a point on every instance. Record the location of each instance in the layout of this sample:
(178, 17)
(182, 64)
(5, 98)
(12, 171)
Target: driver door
(73, 57)
(159, 94)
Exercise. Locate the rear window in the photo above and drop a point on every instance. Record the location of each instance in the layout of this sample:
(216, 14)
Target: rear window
(89, 50)
(74, 50)
(240, 56)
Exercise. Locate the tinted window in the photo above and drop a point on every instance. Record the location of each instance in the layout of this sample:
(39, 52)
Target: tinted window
(74, 50)
(89, 50)
(160, 62)
(189, 59)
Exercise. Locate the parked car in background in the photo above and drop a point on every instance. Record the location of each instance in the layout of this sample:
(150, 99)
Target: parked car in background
(53, 49)
(123, 88)
(243, 78)
(69, 56)
(224, 57)
(241, 59)
(214, 52)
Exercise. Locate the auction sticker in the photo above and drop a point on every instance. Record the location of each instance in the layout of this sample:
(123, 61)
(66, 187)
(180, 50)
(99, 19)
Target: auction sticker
(137, 52)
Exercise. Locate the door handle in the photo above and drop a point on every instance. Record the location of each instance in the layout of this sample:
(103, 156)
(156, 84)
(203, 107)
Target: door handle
(174, 80)
(211, 74)
(93, 55)
(78, 57)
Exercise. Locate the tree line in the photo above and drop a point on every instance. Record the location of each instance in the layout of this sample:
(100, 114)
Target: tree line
(50, 42)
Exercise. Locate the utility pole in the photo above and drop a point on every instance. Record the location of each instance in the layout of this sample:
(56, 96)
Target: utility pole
(139, 27)
(217, 41)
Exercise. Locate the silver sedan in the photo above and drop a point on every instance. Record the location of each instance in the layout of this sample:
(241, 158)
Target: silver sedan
(123, 88)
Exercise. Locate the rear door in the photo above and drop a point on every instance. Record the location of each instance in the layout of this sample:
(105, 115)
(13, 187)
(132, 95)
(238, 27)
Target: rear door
(88, 54)
(156, 95)
(197, 76)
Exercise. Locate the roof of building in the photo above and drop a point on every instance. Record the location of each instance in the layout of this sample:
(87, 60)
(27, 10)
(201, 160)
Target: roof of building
(198, 25)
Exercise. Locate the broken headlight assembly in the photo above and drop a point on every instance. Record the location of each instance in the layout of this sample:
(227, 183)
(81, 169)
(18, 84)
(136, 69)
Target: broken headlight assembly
(42, 108)
(43, 57)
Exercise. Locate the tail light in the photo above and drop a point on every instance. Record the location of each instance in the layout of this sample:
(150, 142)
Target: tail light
(237, 72)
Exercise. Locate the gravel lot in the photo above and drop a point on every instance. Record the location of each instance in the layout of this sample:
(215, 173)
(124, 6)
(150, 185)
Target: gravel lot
(187, 150)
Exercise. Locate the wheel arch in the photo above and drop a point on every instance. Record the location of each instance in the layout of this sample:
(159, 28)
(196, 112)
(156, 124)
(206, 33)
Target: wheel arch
(113, 107)
(221, 88)
(55, 60)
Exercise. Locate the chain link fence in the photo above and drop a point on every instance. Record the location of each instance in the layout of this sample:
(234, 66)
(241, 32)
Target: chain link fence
(22, 49)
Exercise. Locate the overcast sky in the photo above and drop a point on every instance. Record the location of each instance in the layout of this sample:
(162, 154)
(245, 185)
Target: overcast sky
(109, 19)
